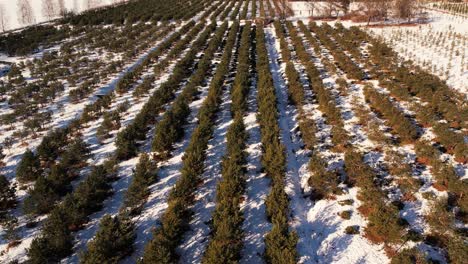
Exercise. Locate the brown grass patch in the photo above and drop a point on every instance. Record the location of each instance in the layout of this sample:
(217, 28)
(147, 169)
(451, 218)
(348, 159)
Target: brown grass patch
(366, 210)
(439, 187)
(373, 237)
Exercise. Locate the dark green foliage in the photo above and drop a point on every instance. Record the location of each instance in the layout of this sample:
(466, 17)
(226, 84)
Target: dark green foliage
(28, 168)
(55, 242)
(7, 196)
(409, 256)
(170, 130)
(322, 181)
(43, 196)
(10, 228)
(127, 139)
(52, 144)
(395, 117)
(174, 222)
(383, 217)
(29, 40)
(112, 242)
(280, 243)
(144, 175)
(352, 230)
(226, 243)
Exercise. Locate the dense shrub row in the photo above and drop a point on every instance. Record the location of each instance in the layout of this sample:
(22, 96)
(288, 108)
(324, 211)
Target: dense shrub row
(226, 231)
(394, 116)
(445, 233)
(280, 242)
(445, 175)
(130, 77)
(223, 10)
(262, 9)
(56, 240)
(145, 174)
(56, 183)
(29, 40)
(170, 128)
(111, 121)
(344, 62)
(236, 10)
(243, 14)
(112, 242)
(384, 224)
(52, 144)
(324, 96)
(175, 220)
(73, 212)
(140, 10)
(427, 115)
(442, 100)
(126, 141)
(322, 181)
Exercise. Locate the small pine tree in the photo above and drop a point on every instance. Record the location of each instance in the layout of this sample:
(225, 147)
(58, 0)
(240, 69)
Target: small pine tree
(10, 225)
(41, 198)
(113, 241)
(56, 241)
(7, 196)
(28, 168)
(145, 174)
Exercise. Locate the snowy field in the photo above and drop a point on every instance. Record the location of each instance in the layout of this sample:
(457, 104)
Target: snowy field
(303, 101)
(441, 46)
(11, 15)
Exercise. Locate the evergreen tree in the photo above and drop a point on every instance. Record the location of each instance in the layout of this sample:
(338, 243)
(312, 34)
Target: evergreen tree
(144, 175)
(113, 241)
(55, 242)
(41, 198)
(75, 156)
(28, 168)
(10, 226)
(7, 196)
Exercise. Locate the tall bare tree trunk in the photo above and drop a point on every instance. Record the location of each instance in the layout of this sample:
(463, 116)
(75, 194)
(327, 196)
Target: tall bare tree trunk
(25, 12)
(3, 18)
(48, 9)
(61, 7)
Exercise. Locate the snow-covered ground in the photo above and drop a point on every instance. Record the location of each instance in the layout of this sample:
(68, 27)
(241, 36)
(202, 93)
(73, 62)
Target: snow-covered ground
(321, 231)
(440, 46)
(11, 13)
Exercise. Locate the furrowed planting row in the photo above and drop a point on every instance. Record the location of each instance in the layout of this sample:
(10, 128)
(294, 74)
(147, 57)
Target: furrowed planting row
(145, 174)
(429, 155)
(280, 242)
(226, 237)
(378, 101)
(384, 220)
(166, 238)
(322, 181)
(102, 174)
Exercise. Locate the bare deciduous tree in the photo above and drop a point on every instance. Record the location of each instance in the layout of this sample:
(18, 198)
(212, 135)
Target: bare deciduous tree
(48, 8)
(311, 4)
(92, 3)
(25, 12)
(376, 9)
(3, 18)
(61, 7)
(405, 9)
(285, 8)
